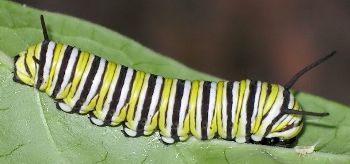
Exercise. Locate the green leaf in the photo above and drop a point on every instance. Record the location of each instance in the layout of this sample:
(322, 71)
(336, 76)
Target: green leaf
(32, 130)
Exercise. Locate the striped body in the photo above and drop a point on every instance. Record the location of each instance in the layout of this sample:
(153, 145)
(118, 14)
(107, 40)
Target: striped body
(112, 94)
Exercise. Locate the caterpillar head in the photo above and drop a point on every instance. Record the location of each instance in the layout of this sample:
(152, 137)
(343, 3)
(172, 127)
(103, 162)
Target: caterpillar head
(287, 123)
(285, 126)
(26, 64)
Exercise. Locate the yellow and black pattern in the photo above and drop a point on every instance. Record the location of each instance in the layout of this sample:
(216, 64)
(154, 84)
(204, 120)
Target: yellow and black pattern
(84, 83)
(112, 94)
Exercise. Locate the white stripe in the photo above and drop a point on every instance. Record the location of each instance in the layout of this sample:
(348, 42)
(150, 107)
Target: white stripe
(170, 111)
(291, 101)
(212, 100)
(256, 103)
(235, 96)
(198, 113)
(48, 63)
(224, 110)
(184, 105)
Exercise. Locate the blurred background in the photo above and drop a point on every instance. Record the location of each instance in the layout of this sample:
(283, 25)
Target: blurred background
(234, 40)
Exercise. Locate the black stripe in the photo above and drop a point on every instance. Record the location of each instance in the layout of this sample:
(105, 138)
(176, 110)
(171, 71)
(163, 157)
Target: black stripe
(285, 103)
(268, 92)
(230, 98)
(42, 60)
(116, 94)
(62, 71)
(250, 107)
(180, 85)
(87, 85)
(205, 109)
(26, 65)
(146, 104)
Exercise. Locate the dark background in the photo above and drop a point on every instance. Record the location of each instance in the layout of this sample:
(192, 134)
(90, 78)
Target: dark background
(262, 40)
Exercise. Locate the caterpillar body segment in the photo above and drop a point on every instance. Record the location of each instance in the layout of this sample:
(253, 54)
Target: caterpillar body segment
(113, 94)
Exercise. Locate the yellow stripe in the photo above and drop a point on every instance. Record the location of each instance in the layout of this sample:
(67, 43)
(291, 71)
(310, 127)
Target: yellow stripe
(271, 99)
(136, 89)
(107, 80)
(82, 62)
(55, 57)
(192, 108)
(218, 104)
(268, 103)
(37, 51)
(164, 105)
(121, 116)
(296, 105)
(242, 88)
(297, 131)
(36, 55)
(30, 61)
(221, 130)
(90, 106)
(153, 124)
(99, 106)
(281, 125)
(183, 134)
(262, 101)
(23, 76)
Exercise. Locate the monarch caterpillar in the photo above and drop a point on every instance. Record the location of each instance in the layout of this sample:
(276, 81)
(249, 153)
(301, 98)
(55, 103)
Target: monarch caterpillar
(245, 111)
